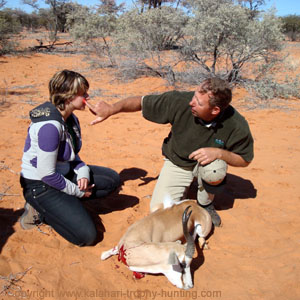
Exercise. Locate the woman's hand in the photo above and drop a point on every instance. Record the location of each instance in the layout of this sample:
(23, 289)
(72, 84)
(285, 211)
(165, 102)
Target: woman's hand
(88, 192)
(83, 183)
(84, 186)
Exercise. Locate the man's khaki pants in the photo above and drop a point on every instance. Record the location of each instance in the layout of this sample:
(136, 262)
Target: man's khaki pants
(173, 183)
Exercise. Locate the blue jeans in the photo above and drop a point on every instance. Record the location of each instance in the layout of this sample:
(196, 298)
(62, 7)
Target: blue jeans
(66, 214)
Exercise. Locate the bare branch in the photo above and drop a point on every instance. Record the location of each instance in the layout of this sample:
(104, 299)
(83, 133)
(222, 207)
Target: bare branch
(2, 3)
(32, 3)
(11, 282)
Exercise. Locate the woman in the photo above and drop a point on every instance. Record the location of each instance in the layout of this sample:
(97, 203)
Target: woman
(53, 177)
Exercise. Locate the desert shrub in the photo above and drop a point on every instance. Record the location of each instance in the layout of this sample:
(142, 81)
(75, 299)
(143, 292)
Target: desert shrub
(270, 88)
(9, 26)
(252, 5)
(224, 39)
(130, 69)
(192, 75)
(94, 28)
(143, 40)
(144, 5)
(230, 39)
(29, 21)
(133, 41)
(54, 18)
(218, 38)
(158, 29)
(291, 25)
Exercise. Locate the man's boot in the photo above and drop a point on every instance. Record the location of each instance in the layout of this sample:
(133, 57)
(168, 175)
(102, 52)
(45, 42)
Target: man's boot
(216, 219)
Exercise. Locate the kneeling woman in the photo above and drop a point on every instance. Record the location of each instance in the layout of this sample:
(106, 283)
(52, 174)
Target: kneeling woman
(54, 179)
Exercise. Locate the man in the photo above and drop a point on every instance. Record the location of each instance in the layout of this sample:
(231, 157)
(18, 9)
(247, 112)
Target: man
(205, 129)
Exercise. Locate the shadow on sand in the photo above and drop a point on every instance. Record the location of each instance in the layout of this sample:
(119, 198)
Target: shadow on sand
(8, 218)
(236, 188)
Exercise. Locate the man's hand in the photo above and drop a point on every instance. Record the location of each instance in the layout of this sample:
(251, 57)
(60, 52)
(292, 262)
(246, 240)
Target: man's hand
(206, 155)
(102, 109)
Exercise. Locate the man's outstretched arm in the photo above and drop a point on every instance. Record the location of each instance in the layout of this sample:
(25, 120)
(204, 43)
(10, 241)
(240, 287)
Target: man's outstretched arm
(104, 110)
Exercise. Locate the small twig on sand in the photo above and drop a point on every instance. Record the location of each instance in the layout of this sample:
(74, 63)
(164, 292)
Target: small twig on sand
(48, 47)
(2, 194)
(11, 282)
(30, 102)
(4, 93)
(5, 167)
(47, 226)
(41, 231)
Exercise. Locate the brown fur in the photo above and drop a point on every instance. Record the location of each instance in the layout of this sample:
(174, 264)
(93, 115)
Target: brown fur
(164, 225)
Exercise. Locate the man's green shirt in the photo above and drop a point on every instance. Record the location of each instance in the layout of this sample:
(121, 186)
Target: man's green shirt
(229, 130)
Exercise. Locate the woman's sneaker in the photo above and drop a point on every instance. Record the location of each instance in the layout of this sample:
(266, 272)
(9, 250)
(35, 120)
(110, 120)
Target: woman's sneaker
(30, 217)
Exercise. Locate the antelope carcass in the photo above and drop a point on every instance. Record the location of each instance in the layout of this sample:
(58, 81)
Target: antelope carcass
(153, 244)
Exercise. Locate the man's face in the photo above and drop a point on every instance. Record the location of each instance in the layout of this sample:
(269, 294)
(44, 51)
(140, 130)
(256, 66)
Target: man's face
(200, 107)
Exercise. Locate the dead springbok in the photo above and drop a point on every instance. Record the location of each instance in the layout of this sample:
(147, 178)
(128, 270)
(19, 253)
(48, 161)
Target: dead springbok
(153, 244)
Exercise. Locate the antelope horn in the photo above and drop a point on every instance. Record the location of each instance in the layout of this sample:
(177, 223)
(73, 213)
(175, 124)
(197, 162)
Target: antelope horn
(190, 248)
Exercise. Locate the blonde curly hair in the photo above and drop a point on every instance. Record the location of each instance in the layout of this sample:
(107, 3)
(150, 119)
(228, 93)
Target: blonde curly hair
(65, 85)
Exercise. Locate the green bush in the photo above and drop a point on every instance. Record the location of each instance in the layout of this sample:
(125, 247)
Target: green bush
(150, 41)
(291, 25)
(225, 38)
(9, 26)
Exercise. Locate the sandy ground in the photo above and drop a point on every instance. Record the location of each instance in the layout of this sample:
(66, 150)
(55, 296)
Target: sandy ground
(254, 255)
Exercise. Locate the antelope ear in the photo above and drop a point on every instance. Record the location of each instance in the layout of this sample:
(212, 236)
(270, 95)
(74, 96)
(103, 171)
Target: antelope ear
(173, 259)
